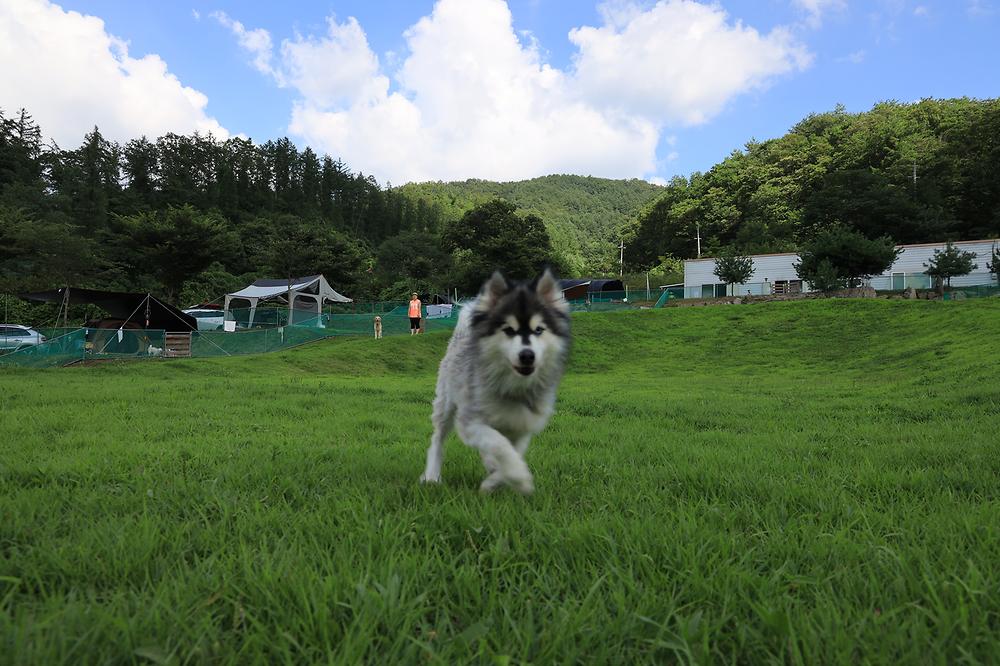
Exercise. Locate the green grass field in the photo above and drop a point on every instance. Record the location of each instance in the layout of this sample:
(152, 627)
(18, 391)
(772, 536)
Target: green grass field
(812, 482)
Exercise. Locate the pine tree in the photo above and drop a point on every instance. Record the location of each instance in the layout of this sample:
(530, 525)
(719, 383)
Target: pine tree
(948, 263)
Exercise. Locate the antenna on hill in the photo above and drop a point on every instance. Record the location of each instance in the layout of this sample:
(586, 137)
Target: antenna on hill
(698, 237)
(621, 258)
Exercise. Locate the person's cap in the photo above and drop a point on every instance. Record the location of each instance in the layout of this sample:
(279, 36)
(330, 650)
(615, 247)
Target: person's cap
(413, 294)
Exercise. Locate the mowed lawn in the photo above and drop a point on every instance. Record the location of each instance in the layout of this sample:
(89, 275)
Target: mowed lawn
(812, 482)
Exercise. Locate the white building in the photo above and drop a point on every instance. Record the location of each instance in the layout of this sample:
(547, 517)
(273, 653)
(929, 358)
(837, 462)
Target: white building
(775, 273)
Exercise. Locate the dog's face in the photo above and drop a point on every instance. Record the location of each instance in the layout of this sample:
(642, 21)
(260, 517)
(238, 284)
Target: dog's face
(378, 319)
(522, 324)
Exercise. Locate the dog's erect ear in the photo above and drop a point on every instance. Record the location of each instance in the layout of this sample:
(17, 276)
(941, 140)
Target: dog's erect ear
(493, 289)
(548, 289)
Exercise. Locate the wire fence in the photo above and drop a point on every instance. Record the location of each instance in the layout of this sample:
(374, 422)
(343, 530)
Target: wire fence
(64, 346)
(977, 291)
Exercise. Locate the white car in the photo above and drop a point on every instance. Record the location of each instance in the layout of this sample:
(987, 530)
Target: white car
(208, 320)
(15, 336)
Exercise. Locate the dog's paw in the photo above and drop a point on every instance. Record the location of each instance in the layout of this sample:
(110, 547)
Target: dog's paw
(525, 485)
(430, 478)
(518, 477)
(522, 484)
(491, 483)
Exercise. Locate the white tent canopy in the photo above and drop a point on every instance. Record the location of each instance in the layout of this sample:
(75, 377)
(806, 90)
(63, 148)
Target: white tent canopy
(307, 294)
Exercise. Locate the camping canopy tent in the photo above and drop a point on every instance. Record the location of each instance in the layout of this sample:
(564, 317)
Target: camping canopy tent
(141, 310)
(307, 294)
(575, 290)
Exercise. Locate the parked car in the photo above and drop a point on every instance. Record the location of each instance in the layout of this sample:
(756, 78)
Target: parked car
(208, 320)
(15, 336)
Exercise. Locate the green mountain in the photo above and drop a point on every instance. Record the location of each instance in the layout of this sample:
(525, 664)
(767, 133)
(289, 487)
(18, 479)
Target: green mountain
(584, 215)
(920, 172)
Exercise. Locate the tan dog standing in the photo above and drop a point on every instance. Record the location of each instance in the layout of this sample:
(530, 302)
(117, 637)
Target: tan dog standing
(378, 327)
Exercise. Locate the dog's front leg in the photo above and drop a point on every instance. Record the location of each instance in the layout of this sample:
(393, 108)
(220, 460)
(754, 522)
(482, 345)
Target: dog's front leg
(495, 479)
(493, 446)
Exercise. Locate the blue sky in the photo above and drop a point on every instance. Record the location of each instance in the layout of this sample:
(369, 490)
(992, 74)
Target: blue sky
(452, 89)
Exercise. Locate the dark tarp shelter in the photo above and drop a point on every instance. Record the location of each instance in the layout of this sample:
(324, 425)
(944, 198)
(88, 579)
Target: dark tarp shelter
(581, 289)
(124, 306)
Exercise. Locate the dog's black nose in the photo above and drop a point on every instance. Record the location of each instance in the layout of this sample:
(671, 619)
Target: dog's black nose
(526, 357)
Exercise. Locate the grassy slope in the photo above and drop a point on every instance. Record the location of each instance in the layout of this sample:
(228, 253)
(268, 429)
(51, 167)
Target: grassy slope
(583, 214)
(790, 482)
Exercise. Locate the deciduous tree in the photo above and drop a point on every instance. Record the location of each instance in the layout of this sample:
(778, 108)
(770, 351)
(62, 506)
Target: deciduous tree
(850, 256)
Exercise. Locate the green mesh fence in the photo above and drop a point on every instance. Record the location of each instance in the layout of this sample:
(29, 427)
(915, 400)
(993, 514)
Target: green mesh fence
(67, 346)
(979, 291)
(266, 339)
(599, 306)
(104, 343)
(62, 348)
(252, 341)
(53, 352)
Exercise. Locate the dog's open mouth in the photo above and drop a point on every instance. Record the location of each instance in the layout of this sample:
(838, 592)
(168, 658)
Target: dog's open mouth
(525, 369)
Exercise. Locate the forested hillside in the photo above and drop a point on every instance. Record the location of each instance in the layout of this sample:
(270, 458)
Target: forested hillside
(920, 172)
(584, 215)
(191, 217)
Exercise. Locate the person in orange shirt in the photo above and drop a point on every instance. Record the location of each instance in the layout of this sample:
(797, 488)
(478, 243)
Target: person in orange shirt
(415, 305)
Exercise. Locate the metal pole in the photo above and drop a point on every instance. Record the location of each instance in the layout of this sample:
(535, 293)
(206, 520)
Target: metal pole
(621, 259)
(698, 227)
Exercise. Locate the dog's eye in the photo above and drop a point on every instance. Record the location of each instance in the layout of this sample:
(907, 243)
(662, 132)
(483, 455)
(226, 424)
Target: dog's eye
(538, 331)
(509, 331)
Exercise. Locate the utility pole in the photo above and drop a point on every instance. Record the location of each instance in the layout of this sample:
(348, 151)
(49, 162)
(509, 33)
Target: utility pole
(698, 227)
(621, 258)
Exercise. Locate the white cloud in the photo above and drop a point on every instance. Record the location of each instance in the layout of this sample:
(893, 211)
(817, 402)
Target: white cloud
(920, 10)
(257, 42)
(855, 58)
(815, 9)
(70, 74)
(471, 99)
(335, 69)
(979, 8)
(679, 61)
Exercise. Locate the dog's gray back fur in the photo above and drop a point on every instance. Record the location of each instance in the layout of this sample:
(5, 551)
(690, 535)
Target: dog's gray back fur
(493, 407)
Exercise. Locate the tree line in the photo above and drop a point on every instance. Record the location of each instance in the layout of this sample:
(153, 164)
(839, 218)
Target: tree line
(912, 173)
(190, 217)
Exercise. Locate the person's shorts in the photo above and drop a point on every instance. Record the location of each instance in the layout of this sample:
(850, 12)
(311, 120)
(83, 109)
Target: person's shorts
(414, 323)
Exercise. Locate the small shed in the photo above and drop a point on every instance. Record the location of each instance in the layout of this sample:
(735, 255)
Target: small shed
(585, 288)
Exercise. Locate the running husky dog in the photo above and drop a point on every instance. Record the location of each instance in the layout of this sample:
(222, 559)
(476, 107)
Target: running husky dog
(497, 382)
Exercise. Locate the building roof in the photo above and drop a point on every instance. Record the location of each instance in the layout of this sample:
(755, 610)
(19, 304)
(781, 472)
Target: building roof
(593, 284)
(795, 254)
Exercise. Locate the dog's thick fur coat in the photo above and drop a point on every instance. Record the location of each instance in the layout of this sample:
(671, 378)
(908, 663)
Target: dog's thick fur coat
(497, 382)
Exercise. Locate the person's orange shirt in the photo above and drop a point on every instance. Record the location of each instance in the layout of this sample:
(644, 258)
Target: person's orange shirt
(415, 308)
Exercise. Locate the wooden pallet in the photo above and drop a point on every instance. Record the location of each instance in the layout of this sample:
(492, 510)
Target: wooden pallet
(177, 345)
